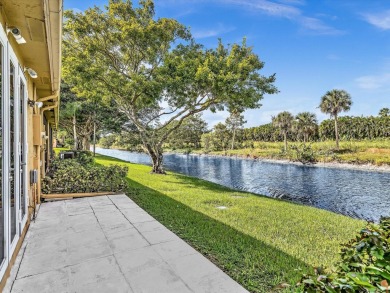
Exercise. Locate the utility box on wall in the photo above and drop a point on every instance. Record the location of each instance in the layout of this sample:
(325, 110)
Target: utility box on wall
(37, 136)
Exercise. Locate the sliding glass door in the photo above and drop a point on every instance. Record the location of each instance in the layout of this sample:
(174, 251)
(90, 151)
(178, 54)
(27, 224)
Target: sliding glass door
(13, 151)
(3, 230)
(13, 157)
(22, 142)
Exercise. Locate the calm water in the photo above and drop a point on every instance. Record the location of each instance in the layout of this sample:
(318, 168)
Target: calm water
(356, 193)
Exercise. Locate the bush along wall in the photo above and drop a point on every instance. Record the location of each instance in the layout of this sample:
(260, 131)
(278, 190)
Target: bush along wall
(80, 175)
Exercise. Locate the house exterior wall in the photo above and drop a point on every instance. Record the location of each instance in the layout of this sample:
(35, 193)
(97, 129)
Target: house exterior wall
(43, 56)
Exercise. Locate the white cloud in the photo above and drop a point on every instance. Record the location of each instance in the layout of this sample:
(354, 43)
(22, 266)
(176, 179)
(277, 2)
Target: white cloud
(286, 9)
(269, 7)
(295, 2)
(278, 8)
(380, 20)
(373, 82)
(318, 26)
(207, 33)
(76, 10)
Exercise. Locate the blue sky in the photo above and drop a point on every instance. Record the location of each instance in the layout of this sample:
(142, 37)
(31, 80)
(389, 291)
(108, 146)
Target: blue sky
(312, 46)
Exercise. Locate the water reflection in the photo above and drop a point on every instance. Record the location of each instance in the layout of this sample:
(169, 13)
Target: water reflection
(356, 193)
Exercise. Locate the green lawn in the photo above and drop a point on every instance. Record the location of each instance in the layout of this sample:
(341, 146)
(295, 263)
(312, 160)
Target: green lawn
(375, 152)
(58, 150)
(260, 242)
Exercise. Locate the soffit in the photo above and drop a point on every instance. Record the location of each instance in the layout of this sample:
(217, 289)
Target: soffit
(28, 16)
(40, 23)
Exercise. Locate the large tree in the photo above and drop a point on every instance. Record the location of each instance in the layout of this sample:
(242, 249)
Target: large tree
(334, 102)
(306, 124)
(144, 63)
(283, 121)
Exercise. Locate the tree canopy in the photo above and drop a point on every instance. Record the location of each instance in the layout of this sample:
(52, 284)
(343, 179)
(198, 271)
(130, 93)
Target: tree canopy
(80, 117)
(143, 63)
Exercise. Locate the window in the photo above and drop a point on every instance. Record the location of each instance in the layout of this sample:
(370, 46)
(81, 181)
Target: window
(2, 231)
(12, 173)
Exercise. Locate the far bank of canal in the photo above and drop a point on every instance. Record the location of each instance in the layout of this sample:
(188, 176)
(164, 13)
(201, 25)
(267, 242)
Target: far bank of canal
(357, 193)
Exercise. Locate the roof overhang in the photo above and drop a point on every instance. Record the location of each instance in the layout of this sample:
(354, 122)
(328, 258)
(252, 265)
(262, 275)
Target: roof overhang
(40, 23)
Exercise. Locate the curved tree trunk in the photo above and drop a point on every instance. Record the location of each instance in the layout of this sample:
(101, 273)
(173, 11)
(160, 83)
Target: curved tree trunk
(336, 131)
(156, 154)
(86, 143)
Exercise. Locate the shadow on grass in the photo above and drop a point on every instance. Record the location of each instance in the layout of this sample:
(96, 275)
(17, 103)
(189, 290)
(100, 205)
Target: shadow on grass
(259, 267)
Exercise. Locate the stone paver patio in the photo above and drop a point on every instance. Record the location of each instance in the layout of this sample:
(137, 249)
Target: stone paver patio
(109, 244)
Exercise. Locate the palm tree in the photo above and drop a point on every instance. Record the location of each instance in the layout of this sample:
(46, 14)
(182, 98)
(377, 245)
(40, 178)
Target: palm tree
(334, 102)
(306, 124)
(384, 112)
(283, 121)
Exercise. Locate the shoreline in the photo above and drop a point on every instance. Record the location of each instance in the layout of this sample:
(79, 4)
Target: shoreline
(331, 165)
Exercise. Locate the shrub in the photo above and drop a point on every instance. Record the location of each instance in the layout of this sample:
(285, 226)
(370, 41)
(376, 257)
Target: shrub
(71, 176)
(364, 265)
(304, 153)
(83, 157)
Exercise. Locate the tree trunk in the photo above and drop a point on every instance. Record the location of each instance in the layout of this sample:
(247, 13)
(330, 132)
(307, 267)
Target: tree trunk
(336, 131)
(156, 154)
(94, 138)
(234, 136)
(86, 143)
(285, 141)
(75, 142)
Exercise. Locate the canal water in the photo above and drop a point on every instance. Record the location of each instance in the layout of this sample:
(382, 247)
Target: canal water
(356, 193)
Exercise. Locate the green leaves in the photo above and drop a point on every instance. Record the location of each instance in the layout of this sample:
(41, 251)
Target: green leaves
(356, 128)
(335, 101)
(126, 54)
(364, 266)
(81, 175)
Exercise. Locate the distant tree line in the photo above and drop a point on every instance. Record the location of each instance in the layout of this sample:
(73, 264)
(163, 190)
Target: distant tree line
(194, 132)
(304, 126)
(350, 127)
(357, 128)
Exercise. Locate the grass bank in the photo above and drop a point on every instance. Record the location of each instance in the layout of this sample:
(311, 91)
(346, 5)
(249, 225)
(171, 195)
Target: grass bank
(375, 152)
(258, 241)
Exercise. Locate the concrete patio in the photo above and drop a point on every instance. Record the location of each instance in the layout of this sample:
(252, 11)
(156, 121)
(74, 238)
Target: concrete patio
(109, 244)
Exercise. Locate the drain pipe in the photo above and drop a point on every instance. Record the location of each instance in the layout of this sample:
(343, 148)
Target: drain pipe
(53, 97)
(49, 107)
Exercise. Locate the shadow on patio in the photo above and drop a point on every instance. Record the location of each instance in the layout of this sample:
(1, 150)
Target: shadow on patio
(109, 244)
